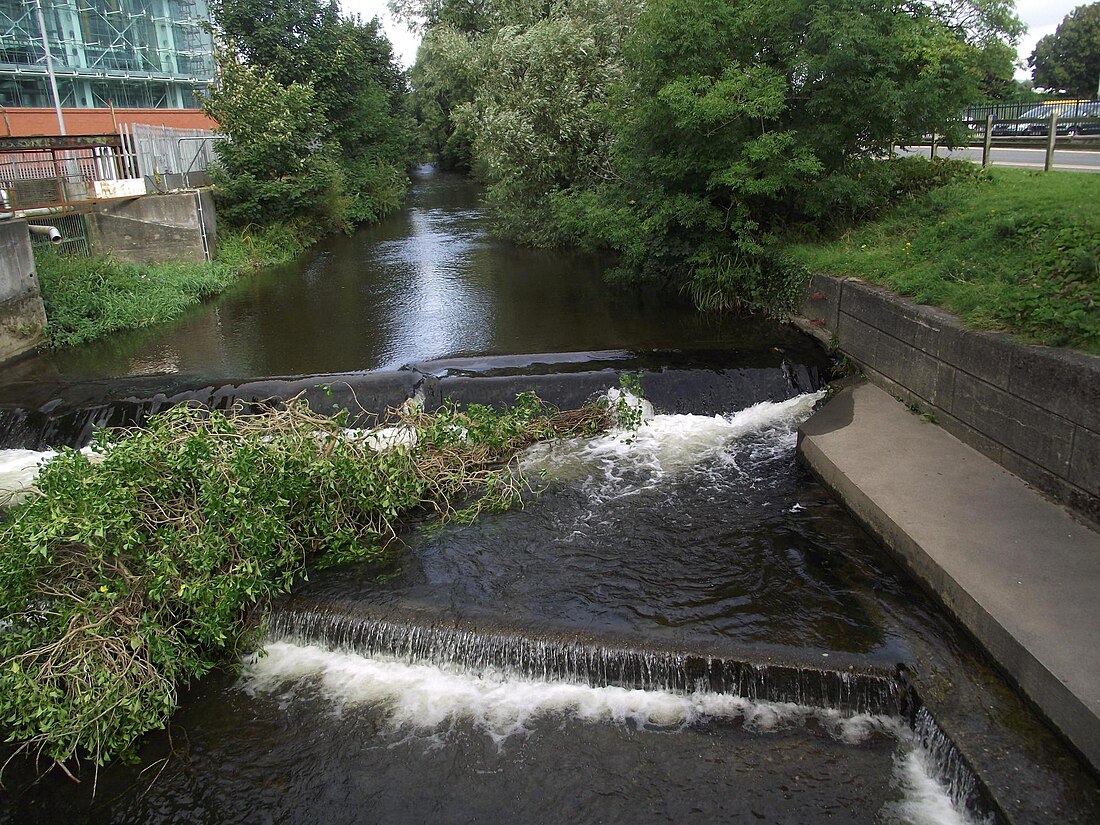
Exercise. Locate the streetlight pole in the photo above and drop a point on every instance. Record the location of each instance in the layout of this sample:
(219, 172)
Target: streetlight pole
(49, 66)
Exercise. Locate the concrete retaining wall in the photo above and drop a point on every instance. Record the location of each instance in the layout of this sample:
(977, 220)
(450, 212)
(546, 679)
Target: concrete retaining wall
(154, 229)
(1033, 410)
(22, 317)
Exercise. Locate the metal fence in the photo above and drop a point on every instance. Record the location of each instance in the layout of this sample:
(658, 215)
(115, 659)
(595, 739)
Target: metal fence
(59, 172)
(1069, 118)
(74, 233)
(171, 158)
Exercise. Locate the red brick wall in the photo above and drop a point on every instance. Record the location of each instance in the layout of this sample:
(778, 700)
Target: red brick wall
(24, 122)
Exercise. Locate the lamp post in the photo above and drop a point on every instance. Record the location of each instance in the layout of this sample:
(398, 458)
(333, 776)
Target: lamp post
(49, 66)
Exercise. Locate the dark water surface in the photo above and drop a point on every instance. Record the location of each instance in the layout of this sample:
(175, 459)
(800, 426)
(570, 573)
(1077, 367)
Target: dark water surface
(428, 282)
(699, 532)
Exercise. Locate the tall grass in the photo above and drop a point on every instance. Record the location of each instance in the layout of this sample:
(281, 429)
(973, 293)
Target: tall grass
(1016, 251)
(89, 298)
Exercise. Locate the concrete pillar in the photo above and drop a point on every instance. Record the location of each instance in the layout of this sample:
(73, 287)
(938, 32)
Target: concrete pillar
(22, 316)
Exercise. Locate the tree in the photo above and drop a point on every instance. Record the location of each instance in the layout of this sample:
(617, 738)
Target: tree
(360, 94)
(467, 16)
(738, 120)
(539, 120)
(271, 168)
(1069, 59)
(444, 78)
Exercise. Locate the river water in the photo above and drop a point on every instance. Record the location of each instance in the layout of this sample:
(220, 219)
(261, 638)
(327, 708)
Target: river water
(428, 282)
(683, 625)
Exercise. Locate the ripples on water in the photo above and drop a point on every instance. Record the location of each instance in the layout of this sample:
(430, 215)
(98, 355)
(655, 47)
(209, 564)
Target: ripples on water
(687, 529)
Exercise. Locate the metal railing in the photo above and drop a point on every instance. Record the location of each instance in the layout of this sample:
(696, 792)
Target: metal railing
(59, 172)
(171, 158)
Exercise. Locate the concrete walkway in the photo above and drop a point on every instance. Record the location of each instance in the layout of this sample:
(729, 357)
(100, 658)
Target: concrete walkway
(1014, 569)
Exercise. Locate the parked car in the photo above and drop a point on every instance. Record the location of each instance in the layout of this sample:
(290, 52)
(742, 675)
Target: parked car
(1035, 122)
(1089, 126)
(1014, 128)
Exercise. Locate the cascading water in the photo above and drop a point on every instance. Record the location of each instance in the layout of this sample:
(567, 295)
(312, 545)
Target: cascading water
(683, 627)
(584, 662)
(678, 626)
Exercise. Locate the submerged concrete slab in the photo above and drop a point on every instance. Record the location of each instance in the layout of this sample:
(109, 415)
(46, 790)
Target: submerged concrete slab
(1015, 569)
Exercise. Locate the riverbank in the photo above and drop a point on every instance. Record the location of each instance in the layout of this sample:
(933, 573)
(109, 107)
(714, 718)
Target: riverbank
(1016, 570)
(1016, 251)
(91, 298)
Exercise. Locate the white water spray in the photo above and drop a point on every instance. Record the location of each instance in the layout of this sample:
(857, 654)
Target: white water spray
(624, 462)
(427, 699)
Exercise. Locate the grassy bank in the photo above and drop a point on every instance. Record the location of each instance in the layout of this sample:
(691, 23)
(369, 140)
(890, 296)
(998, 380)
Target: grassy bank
(1015, 251)
(88, 298)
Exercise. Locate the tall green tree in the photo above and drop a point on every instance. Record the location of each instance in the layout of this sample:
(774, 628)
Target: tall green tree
(539, 120)
(272, 168)
(444, 78)
(361, 106)
(1069, 59)
(737, 120)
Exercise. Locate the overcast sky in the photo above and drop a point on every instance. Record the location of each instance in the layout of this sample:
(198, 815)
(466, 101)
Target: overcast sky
(1041, 17)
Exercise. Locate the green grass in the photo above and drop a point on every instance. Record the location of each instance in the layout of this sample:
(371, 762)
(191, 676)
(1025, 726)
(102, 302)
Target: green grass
(89, 298)
(1015, 251)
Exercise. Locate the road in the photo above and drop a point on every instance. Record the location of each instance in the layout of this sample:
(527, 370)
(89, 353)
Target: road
(1065, 160)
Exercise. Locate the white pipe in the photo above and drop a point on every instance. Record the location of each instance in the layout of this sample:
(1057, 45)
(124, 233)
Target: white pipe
(46, 232)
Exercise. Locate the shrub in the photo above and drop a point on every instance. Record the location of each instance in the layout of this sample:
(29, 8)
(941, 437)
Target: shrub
(137, 569)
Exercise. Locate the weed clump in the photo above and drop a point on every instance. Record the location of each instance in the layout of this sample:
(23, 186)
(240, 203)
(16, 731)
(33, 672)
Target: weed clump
(135, 570)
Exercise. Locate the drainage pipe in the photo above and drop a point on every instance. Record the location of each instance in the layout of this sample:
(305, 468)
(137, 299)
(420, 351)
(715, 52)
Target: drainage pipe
(49, 232)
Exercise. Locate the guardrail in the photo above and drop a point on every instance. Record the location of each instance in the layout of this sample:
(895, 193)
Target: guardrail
(1077, 130)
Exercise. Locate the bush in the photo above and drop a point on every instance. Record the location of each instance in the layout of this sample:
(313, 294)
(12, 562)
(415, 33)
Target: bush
(137, 568)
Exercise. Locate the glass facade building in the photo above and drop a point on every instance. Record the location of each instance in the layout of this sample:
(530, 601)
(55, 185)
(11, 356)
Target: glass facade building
(132, 54)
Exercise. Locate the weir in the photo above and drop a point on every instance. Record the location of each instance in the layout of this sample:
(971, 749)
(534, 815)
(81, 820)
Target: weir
(687, 565)
(684, 625)
(499, 653)
(41, 415)
(562, 657)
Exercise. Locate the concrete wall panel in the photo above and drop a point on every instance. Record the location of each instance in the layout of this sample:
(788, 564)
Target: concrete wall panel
(22, 317)
(153, 229)
(1034, 410)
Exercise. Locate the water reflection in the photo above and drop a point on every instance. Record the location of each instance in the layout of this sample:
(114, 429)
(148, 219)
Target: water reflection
(428, 282)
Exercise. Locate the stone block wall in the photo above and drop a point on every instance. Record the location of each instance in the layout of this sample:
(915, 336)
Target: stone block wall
(1034, 410)
(22, 316)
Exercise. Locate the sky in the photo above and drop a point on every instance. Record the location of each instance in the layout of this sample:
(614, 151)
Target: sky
(1041, 17)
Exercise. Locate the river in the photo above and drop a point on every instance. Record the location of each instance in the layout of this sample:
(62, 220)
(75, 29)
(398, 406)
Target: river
(684, 625)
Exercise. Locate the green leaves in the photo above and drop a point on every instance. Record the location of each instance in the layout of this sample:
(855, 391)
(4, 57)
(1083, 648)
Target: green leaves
(134, 574)
(1069, 59)
(316, 108)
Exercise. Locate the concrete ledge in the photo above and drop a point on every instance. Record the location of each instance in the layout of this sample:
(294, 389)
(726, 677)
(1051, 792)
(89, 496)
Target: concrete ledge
(1034, 410)
(1015, 569)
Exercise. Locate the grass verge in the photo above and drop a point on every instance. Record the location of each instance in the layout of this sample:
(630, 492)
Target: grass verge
(135, 570)
(88, 298)
(1015, 251)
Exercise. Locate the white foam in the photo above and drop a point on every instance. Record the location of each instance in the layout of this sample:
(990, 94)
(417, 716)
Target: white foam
(427, 700)
(924, 799)
(623, 461)
(426, 697)
(19, 469)
(380, 439)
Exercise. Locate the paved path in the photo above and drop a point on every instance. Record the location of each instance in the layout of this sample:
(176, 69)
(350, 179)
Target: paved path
(1014, 569)
(1065, 160)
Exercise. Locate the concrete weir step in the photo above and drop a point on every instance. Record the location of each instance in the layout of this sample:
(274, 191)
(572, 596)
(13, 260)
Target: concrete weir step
(1014, 568)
